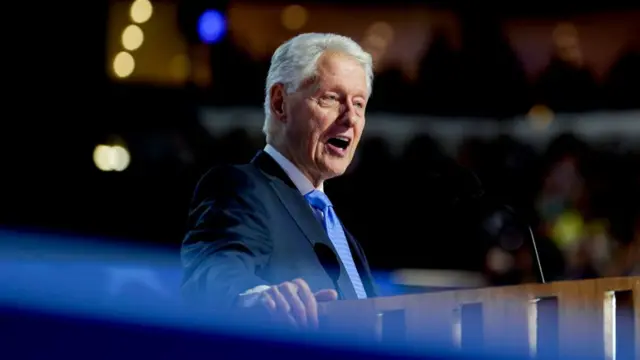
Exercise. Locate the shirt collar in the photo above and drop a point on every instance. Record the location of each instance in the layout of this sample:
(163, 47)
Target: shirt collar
(301, 182)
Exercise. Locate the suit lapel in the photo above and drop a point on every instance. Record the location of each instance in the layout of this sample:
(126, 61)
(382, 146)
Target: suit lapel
(292, 200)
(301, 213)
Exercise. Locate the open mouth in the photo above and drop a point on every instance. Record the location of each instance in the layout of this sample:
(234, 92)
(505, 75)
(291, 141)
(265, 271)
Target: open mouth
(339, 142)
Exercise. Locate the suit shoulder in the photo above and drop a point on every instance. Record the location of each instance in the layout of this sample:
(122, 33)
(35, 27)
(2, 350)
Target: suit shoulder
(228, 178)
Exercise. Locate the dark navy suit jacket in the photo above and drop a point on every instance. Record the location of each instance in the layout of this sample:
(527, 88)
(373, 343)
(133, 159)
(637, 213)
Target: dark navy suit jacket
(248, 226)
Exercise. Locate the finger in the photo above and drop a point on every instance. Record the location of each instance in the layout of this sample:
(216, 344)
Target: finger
(267, 301)
(291, 293)
(309, 301)
(283, 310)
(326, 295)
(282, 306)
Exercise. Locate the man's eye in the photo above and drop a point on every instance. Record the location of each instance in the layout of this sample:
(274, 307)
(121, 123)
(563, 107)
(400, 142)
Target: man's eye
(329, 99)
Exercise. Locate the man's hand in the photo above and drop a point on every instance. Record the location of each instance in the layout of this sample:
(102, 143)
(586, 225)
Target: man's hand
(293, 303)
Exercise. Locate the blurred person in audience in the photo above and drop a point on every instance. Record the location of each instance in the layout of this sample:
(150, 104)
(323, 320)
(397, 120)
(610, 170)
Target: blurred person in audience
(263, 237)
(562, 200)
(567, 84)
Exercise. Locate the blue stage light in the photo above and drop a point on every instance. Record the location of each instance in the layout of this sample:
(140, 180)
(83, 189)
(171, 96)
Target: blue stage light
(211, 26)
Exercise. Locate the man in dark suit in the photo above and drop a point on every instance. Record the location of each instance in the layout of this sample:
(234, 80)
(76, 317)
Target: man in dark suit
(264, 235)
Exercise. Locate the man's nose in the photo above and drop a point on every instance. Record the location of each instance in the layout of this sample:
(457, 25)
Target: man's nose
(349, 116)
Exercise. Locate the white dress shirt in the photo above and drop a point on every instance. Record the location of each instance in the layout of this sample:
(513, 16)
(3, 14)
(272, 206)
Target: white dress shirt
(304, 185)
(301, 182)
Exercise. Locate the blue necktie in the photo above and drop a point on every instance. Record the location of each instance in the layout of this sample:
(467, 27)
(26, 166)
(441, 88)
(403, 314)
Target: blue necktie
(319, 201)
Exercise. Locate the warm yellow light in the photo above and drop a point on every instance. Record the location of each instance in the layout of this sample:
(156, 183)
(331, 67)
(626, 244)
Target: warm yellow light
(294, 17)
(132, 37)
(101, 157)
(111, 158)
(540, 116)
(141, 11)
(121, 158)
(568, 229)
(123, 64)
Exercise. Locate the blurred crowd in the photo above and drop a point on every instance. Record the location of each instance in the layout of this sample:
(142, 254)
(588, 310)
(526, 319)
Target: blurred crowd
(481, 77)
(583, 204)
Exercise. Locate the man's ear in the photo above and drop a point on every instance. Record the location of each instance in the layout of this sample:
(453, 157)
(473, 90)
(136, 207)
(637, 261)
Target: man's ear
(278, 102)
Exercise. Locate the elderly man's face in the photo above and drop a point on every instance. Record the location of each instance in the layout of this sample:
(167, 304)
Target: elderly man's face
(324, 119)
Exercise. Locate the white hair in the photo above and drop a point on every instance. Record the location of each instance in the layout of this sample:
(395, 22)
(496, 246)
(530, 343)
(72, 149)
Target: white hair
(296, 60)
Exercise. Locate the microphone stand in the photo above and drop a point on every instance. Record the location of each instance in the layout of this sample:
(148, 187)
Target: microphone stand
(536, 254)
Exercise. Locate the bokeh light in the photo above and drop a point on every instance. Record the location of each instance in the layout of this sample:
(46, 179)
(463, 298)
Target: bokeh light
(294, 17)
(211, 26)
(123, 64)
(141, 11)
(132, 37)
(111, 158)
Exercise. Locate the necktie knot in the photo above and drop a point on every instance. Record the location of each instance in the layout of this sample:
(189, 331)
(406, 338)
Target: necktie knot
(318, 200)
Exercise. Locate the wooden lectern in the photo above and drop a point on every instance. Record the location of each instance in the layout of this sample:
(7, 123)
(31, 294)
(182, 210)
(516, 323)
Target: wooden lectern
(573, 319)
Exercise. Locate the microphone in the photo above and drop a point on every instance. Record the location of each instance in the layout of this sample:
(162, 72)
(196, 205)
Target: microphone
(329, 261)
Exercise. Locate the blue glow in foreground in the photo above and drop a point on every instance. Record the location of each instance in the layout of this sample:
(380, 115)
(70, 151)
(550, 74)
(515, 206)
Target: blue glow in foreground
(211, 26)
